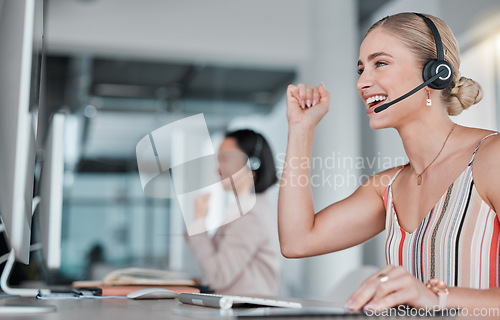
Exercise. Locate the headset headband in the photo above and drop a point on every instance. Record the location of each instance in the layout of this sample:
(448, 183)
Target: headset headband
(437, 36)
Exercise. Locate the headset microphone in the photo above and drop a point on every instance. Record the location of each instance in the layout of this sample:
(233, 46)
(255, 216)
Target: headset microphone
(426, 83)
(437, 73)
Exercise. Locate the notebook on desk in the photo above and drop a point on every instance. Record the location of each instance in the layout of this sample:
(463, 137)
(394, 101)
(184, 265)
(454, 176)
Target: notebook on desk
(123, 290)
(124, 281)
(146, 276)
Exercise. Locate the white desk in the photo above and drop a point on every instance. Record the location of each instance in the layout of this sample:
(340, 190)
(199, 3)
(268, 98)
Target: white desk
(125, 309)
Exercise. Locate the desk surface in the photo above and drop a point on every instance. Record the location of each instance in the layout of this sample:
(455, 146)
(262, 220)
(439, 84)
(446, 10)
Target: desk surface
(125, 309)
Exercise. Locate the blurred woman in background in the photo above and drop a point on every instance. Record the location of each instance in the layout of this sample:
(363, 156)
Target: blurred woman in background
(243, 256)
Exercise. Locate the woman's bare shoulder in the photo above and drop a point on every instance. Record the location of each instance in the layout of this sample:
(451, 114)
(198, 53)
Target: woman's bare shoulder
(381, 180)
(474, 135)
(489, 152)
(486, 171)
(466, 140)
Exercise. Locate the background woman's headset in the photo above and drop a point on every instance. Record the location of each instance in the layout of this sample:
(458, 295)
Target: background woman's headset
(255, 161)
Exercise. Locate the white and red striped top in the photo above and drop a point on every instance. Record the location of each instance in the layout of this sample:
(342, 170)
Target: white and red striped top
(457, 242)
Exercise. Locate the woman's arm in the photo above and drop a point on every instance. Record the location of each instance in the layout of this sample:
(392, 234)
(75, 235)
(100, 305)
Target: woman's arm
(339, 226)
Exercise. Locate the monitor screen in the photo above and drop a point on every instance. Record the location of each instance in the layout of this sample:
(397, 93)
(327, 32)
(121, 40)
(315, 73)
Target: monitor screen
(21, 29)
(48, 216)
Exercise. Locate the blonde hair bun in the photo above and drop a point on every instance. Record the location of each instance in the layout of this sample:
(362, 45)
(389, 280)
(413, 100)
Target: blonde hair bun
(465, 93)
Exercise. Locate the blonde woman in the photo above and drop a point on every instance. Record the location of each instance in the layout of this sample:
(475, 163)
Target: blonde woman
(439, 211)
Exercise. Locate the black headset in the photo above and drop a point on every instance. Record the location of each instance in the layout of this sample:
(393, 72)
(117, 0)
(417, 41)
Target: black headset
(437, 73)
(255, 162)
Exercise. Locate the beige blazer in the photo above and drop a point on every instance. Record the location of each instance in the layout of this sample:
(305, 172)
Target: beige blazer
(243, 257)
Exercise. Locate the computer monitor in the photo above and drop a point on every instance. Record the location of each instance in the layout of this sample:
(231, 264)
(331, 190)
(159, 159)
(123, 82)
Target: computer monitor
(17, 147)
(48, 217)
(21, 30)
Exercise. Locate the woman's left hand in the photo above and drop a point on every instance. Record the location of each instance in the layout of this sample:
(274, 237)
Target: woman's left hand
(201, 206)
(390, 287)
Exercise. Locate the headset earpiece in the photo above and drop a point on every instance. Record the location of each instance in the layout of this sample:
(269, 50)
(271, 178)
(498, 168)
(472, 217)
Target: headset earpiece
(254, 160)
(433, 67)
(254, 163)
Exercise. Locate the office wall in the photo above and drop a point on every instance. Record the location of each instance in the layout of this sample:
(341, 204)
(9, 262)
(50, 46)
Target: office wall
(222, 31)
(464, 16)
(481, 63)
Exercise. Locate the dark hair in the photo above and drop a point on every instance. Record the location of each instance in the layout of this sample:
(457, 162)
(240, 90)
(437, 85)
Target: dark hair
(265, 175)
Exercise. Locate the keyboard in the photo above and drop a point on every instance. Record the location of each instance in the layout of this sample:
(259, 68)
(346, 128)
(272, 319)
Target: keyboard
(228, 301)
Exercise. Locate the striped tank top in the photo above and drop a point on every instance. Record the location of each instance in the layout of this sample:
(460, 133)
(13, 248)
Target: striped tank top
(457, 242)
